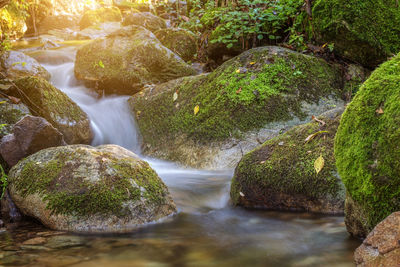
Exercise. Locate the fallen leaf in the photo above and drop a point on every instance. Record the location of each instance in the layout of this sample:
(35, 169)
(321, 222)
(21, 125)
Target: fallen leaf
(262, 162)
(196, 110)
(138, 113)
(175, 96)
(312, 136)
(241, 194)
(318, 120)
(319, 164)
(379, 111)
(252, 63)
(14, 100)
(5, 86)
(238, 71)
(238, 91)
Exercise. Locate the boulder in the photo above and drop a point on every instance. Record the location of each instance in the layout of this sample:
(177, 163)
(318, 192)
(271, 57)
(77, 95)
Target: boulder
(211, 120)
(146, 20)
(85, 189)
(382, 245)
(44, 100)
(17, 65)
(57, 22)
(126, 60)
(180, 41)
(366, 148)
(29, 135)
(10, 114)
(366, 32)
(280, 174)
(97, 16)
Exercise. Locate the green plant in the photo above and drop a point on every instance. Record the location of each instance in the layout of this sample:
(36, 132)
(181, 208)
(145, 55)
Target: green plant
(3, 181)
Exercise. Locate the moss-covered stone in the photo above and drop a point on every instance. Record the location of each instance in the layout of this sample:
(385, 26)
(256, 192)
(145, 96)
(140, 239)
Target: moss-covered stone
(10, 114)
(261, 86)
(146, 20)
(85, 189)
(363, 31)
(17, 65)
(280, 174)
(44, 100)
(180, 41)
(104, 14)
(367, 148)
(126, 60)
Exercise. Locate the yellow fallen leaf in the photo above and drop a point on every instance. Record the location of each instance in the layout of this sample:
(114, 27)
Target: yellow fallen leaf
(196, 109)
(138, 113)
(252, 63)
(319, 164)
(238, 71)
(175, 96)
(312, 136)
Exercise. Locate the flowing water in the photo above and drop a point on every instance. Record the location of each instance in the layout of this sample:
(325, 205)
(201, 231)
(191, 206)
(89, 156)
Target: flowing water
(207, 231)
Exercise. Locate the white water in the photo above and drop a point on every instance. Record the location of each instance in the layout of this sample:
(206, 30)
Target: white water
(113, 123)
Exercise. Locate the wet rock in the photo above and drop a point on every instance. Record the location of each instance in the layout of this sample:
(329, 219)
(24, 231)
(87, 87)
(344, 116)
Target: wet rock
(17, 65)
(9, 212)
(97, 16)
(382, 245)
(180, 41)
(246, 101)
(146, 20)
(365, 150)
(44, 100)
(29, 135)
(126, 60)
(85, 189)
(280, 174)
(35, 241)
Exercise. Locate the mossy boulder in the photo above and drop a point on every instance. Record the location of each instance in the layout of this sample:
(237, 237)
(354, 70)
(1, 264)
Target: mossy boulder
(263, 88)
(180, 41)
(367, 150)
(16, 65)
(366, 32)
(97, 16)
(126, 60)
(146, 20)
(85, 189)
(10, 114)
(280, 174)
(44, 100)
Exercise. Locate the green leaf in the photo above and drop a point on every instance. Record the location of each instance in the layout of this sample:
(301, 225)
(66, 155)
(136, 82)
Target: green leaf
(101, 64)
(260, 37)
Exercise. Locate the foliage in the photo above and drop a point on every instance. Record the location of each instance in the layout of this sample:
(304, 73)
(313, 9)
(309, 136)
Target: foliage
(247, 23)
(3, 181)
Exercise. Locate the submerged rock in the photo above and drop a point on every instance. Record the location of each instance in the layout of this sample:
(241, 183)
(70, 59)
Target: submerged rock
(382, 245)
(126, 60)
(17, 65)
(366, 150)
(146, 20)
(29, 135)
(280, 174)
(44, 100)
(97, 16)
(211, 120)
(85, 189)
(180, 41)
(366, 32)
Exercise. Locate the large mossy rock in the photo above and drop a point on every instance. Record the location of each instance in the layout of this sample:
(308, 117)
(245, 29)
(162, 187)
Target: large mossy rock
(84, 189)
(367, 150)
(44, 100)
(146, 20)
(263, 88)
(126, 60)
(17, 65)
(180, 41)
(280, 174)
(97, 16)
(366, 32)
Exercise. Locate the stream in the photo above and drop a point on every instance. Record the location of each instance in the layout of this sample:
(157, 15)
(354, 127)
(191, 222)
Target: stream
(207, 231)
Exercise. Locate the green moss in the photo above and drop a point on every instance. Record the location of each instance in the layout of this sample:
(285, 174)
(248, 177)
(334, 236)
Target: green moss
(363, 31)
(146, 20)
(285, 165)
(271, 86)
(70, 193)
(104, 14)
(9, 115)
(367, 147)
(46, 101)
